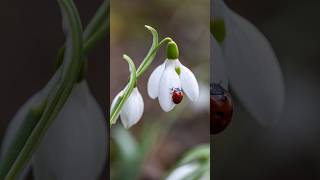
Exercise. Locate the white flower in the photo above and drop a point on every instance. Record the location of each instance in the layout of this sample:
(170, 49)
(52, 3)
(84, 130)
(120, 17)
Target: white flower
(132, 109)
(169, 81)
(183, 172)
(244, 59)
(75, 145)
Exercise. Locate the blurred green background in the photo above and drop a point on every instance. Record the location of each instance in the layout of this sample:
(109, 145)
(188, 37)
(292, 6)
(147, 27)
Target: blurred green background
(290, 149)
(187, 23)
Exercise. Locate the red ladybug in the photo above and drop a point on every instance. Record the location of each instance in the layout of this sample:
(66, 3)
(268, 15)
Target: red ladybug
(177, 95)
(221, 108)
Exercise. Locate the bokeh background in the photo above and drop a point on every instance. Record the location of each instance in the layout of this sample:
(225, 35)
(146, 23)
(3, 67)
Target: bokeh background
(31, 34)
(187, 22)
(291, 148)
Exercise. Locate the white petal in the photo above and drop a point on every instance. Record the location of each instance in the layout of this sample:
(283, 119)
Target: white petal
(114, 101)
(16, 123)
(253, 69)
(18, 118)
(154, 81)
(217, 9)
(75, 145)
(218, 72)
(169, 80)
(132, 110)
(183, 172)
(189, 83)
(203, 102)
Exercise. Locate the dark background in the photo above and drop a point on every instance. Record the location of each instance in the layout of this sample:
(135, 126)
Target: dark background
(31, 34)
(290, 149)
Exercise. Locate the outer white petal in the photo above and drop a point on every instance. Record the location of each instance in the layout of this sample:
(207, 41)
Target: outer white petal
(218, 72)
(217, 9)
(114, 101)
(132, 110)
(253, 69)
(18, 118)
(75, 145)
(169, 80)
(189, 83)
(154, 81)
(183, 172)
(203, 102)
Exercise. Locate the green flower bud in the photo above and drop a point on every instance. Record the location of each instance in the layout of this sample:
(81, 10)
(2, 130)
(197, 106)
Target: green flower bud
(172, 51)
(218, 30)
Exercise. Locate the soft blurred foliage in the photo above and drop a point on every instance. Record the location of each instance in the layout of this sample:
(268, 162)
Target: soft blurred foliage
(31, 34)
(290, 148)
(170, 134)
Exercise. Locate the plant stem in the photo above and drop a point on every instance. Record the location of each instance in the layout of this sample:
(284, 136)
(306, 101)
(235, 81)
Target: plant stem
(60, 93)
(95, 37)
(100, 17)
(94, 32)
(150, 57)
(139, 72)
(122, 99)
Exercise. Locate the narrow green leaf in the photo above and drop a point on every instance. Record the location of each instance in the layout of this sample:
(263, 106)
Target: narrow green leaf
(200, 153)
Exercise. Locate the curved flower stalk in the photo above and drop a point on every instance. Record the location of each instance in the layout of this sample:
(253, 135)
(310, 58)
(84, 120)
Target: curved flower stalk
(244, 59)
(31, 123)
(175, 80)
(194, 165)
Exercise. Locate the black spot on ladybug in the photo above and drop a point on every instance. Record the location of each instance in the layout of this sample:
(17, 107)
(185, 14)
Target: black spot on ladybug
(177, 95)
(221, 108)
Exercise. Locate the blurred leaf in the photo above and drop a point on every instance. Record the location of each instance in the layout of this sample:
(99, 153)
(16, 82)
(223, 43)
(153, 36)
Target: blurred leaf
(195, 164)
(129, 157)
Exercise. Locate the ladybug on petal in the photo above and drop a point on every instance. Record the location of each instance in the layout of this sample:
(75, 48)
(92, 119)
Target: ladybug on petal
(177, 95)
(221, 108)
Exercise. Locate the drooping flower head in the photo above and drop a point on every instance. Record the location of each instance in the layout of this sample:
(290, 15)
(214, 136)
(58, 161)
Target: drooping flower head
(170, 81)
(132, 109)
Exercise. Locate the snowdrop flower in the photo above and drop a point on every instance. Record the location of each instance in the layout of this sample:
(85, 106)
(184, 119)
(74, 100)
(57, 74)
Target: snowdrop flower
(171, 80)
(183, 172)
(75, 146)
(243, 59)
(132, 109)
(194, 165)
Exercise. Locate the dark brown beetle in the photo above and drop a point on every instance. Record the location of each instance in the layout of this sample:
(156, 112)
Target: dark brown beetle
(177, 95)
(221, 108)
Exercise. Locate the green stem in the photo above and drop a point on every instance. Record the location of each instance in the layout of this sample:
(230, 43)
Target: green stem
(144, 65)
(139, 72)
(94, 32)
(59, 94)
(122, 99)
(150, 57)
(100, 17)
(95, 37)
